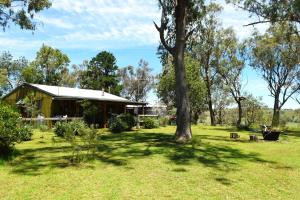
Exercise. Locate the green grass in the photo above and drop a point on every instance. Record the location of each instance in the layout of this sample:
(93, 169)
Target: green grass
(147, 164)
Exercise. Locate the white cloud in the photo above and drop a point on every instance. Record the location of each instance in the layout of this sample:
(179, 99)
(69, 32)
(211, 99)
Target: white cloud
(60, 23)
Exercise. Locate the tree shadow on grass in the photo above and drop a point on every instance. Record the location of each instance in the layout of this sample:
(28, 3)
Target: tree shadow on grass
(129, 146)
(120, 149)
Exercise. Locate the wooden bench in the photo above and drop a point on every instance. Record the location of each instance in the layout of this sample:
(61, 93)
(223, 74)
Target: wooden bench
(234, 135)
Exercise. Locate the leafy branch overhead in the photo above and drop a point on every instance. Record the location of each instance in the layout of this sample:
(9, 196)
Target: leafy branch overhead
(21, 12)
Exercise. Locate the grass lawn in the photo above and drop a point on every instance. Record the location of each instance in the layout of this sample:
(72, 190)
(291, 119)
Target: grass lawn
(146, 164)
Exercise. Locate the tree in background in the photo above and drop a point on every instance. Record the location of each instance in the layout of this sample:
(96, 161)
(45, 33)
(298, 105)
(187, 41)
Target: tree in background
(221, 100)
(21, 12)
(205, 49)
(276, 55)
(253, 111)
(136, 82)
(101, 73)
(230, 68)
(10, 72)
(49, 67)
(178, 21)
(195, 84)
(271, 10)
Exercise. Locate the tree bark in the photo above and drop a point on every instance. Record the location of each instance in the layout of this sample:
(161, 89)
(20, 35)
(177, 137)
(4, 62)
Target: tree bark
(210, 107)
(240, 113)
(276, 112)
(183, 120)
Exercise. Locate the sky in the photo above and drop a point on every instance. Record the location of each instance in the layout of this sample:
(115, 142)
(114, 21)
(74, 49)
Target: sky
(81, 29)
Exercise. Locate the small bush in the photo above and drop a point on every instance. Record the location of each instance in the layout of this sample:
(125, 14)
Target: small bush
(128, 119)
(43, 128)
(61, 128)
(26, 132)
(150, 123)
(122, 122)
(117, 125)
(163, 121)
(12, 130)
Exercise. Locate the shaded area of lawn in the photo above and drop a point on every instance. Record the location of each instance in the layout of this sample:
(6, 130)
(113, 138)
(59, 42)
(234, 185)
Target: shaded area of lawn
(121, 149)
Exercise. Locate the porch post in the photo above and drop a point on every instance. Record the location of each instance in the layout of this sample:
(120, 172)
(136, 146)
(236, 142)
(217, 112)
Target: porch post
(105, 116)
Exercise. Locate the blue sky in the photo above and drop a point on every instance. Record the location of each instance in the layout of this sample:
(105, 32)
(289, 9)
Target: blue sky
(81, 29)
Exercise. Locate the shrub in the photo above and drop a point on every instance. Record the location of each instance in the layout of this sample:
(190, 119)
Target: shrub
(122, 122)
(43, 128)
(150, 123)
(26, 132)
(163, 121)
(117, 125)
(61, 128)
(128, 119)
(12, 130)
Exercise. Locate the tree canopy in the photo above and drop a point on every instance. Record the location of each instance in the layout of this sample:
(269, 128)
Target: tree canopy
(101, 73)
(21, 12)
(276, 55)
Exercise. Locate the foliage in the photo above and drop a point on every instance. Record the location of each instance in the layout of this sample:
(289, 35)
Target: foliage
(276, 55)
(122, 122)
(10, 72)
(197, 91)
(50, 67)
(205, 49)
(26, 132)
(11, 128)
(271, 11)
(43, 128)
(90, 112)
(164, 121)
(21, 12)
(150, 123)
(137, 82)
(61, 128)
(128, 119)
(101, 73)
(117, 125)
(231, 66)
(89, 137)
(31, 104)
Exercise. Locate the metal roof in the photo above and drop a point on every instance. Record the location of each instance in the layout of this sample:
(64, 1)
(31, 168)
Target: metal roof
(58, 92)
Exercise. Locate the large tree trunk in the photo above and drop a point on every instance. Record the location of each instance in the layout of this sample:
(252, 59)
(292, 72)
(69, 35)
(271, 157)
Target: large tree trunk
(240, 114)
(183, 131)
(276, 112)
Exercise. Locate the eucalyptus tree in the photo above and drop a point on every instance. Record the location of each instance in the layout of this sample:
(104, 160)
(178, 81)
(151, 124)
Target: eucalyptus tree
(178, 22)
(230, 67)
(136, 82)
(197, 91)
(10, 71)
(21, 12)
(276, 55)
(205, 47)
(49, 67)
(271, 11)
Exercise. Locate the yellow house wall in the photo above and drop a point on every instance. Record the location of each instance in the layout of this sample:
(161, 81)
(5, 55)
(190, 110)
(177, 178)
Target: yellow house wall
(21, 93)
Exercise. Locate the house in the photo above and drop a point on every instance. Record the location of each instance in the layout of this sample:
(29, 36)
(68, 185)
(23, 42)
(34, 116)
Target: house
(55, 101)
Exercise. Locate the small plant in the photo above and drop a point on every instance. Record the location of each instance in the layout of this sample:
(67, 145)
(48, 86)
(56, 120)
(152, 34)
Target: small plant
(122, 122)
(117, 125)
(62, 127)
(90, 139)
(163, 121)
(43, 128)
(150, 123)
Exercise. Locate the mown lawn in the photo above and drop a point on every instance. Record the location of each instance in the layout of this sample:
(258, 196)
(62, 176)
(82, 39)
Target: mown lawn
(147, 164)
